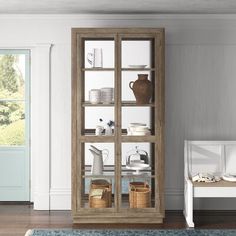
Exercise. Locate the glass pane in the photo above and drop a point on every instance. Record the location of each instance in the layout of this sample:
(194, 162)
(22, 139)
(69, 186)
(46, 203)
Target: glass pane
(132, 76)
(98, 175)
(137, 120)
(98, 81)
(136, 53)
(99, 118)
(107, 160)
(138, 169)
(12, 123)
(99, 53)
(12, 76)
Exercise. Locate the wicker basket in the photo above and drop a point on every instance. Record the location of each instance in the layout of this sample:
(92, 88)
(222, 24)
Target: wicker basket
(103, 199)
(139, 195)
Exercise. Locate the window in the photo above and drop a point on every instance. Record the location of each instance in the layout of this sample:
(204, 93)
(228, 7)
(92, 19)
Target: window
(14, 105)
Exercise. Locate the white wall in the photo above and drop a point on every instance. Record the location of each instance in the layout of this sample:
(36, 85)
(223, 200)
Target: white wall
(200, 87)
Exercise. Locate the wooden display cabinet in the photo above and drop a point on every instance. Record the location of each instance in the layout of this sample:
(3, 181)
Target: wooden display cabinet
(125, 53)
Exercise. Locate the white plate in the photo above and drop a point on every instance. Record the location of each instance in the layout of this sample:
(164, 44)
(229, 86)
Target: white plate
(136, 124)
(137, 167)
(137, 66)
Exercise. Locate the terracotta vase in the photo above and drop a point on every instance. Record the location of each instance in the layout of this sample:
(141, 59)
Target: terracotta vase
(142, 89)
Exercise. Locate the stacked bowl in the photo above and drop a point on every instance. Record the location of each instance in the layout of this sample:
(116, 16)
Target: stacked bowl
(95, 96)
(138, 129)
(107, 95)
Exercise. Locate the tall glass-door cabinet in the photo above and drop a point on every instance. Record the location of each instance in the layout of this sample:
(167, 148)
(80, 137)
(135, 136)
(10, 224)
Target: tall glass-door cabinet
(118, 125)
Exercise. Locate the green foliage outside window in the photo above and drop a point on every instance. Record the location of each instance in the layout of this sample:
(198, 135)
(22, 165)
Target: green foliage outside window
(12, 113)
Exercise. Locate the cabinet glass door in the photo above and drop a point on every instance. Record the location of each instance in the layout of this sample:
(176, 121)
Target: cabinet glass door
(97, 99)
(138, 155)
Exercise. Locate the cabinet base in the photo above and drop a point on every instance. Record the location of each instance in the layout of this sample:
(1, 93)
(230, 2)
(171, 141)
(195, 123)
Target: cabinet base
(90, 219)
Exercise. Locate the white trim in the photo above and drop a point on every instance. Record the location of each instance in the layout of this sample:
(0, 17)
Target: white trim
(204, 192)
(60, 199)
(40, 126)
(209, 142)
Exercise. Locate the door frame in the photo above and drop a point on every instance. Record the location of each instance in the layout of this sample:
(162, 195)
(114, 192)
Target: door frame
(40, 116)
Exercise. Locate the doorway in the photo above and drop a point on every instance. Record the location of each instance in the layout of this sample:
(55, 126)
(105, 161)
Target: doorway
(14, 125)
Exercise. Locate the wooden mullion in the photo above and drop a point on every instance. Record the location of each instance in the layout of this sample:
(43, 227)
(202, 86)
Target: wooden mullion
(118, 121)
(74, 121)
(161, 72)
(157, 126)
(79, 123)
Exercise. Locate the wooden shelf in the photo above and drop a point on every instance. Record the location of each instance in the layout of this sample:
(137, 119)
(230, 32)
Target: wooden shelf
(99, 176)
(141, 175)
(138, 69)
(123, 104)
(134, 104)
(88, 104)
(133, 138)
(97, 139)
(98, 69)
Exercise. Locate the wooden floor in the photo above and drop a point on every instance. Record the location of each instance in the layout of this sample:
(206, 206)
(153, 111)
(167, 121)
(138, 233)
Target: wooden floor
(15, 220)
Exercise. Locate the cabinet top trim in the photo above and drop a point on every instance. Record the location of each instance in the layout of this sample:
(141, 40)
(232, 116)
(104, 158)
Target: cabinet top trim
(131, 30)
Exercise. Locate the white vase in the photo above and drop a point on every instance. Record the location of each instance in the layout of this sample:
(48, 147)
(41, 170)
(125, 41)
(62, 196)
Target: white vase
(108, 130)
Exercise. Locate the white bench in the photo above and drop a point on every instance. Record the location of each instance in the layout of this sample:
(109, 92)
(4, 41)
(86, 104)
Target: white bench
(214, 157)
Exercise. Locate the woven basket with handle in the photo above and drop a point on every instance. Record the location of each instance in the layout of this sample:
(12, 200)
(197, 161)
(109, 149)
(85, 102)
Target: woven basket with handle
(139, 195)
(103, 198)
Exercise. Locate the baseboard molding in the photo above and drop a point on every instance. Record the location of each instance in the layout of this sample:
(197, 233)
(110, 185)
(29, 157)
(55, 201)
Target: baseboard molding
(60, 199)
(174, 199)
(41, 201)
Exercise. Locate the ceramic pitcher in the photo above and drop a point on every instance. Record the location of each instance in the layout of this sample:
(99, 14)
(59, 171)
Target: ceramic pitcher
(99, 156)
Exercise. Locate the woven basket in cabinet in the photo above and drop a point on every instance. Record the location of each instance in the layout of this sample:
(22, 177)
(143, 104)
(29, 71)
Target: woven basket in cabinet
(139, 195)
(103, 199)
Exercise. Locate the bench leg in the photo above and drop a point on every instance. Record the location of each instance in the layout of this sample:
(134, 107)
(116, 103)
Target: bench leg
(188, 202)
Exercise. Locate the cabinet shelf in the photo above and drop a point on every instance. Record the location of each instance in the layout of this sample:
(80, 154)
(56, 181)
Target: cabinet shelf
(123, 103)
(88, 104)
(133, 138)
(137, 176)
(97, 69)
(97, 139)
(138, 69)
(104, 176)
(134, 104)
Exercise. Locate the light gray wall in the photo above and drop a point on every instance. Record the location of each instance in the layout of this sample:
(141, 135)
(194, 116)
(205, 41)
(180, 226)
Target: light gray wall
(200, 86)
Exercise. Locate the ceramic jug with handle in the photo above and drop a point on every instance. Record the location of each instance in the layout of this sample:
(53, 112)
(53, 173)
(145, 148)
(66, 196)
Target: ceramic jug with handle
(99, 156)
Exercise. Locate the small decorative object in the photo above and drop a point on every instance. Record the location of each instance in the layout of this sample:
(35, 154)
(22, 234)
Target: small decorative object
(107, 95)
(99, 128)
(138, 129)
(139, 195)
(95, 58)
(142, 89)
(108, 128)
(95, 96)
(205, 177)
(229, 177)
(137, 160)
